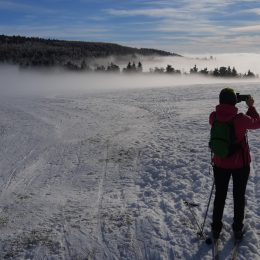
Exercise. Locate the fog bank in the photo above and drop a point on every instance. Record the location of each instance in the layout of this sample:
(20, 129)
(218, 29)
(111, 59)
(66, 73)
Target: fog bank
(57, 82)
(241, 61)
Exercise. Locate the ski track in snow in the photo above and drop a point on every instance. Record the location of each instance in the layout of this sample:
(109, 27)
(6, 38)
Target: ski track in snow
(104, 176)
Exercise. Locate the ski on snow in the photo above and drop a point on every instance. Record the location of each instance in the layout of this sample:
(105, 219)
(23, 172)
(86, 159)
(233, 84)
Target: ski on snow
(216, 252)
(215, 249)
(234, 251)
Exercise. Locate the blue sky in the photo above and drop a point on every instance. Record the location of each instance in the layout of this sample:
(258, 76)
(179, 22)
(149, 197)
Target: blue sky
(182, 26)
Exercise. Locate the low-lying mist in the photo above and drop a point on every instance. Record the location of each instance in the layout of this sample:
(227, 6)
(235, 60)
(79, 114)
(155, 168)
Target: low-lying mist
(60, 82)
(241, 61)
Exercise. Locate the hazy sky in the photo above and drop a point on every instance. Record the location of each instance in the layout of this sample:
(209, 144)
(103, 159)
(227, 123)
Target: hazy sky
(182, 26)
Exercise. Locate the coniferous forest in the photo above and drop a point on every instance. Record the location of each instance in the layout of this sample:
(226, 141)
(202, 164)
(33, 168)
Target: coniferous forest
(27, 51)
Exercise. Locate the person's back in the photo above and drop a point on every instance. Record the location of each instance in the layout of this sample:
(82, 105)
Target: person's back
(242, 122)
(237, 164)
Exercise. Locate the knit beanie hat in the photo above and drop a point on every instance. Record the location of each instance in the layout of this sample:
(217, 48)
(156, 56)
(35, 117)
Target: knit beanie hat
(228, 96)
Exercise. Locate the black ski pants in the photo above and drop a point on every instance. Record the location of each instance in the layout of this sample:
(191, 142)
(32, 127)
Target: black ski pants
(222, 177)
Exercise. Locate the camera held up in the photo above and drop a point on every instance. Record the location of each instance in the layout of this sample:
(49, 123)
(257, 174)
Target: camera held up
(241, 97)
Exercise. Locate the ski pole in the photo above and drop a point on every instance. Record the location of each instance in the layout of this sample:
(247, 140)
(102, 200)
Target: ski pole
(206, 214)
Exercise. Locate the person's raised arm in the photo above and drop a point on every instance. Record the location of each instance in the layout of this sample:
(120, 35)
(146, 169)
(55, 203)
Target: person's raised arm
(251, 109)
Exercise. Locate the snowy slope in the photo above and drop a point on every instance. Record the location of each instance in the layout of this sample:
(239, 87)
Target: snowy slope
(104, 175)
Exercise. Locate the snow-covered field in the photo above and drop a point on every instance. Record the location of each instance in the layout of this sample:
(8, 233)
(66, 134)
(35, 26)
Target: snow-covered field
(104, 175)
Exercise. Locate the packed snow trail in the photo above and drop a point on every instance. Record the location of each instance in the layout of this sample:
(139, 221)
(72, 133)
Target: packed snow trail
(104, 175)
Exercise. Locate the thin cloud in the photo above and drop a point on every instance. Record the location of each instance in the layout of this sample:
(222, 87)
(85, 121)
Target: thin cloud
(168, 8)
(254, 10)
(190, 23)
(159, 12)
(249, 28)
(183, 27)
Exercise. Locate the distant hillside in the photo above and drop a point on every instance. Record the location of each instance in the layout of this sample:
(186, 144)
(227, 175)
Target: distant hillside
(27, 51)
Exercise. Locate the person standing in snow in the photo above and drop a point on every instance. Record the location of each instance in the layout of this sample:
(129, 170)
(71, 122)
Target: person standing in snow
(237, 164)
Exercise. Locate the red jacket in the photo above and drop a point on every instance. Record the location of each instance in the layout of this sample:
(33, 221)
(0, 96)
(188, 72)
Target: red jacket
(242, 122)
